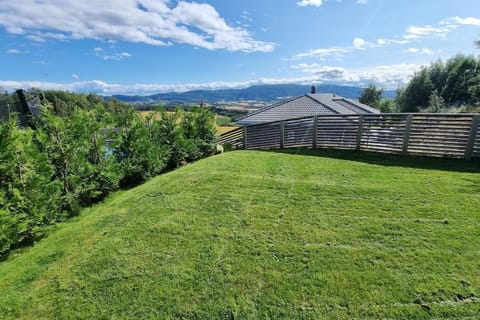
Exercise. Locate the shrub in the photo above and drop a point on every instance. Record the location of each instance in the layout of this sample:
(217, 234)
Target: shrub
(30, 197)
(49, 173)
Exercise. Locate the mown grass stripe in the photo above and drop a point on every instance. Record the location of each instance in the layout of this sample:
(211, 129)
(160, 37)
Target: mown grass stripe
(254, 234)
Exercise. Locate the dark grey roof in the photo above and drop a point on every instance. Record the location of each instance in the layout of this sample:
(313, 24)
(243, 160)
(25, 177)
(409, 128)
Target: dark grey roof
(304, 106)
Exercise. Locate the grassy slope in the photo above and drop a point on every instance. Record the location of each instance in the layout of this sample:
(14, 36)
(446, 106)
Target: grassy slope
(265, 235)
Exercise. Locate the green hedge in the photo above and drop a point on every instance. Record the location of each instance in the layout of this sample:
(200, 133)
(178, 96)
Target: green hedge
(77, 157)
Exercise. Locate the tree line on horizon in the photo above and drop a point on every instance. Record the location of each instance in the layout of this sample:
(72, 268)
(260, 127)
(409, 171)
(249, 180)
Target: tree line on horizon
(81, 149)
(451, 86)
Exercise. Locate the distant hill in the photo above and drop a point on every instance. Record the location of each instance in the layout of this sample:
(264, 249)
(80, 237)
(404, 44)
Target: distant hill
(268, 93)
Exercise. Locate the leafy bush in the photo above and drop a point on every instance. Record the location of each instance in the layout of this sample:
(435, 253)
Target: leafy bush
(82, 150)
(29, 196)
(442, 86)
(140, 157)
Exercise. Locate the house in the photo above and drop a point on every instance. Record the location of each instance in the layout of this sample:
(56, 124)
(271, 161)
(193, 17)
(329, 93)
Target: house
(307, 105)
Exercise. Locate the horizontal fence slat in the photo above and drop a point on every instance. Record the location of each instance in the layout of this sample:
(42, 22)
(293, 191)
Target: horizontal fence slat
(437, 135)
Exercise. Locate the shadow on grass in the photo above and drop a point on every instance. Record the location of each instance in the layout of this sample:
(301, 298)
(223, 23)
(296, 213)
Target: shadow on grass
(459, 165)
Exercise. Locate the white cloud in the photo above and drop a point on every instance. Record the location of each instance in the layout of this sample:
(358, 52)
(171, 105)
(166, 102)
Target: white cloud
(14, 51)
(323, 53)
(359, 43)
(246, 17)
(462, 21)
(106, 55)
(117, 56)
(101, 87)
(383, 42)
(14, 30)
(445, 27)
(318, 3)
(152, 22)
(426, 51)
(338, 52)
(315, 3)
(75, 76)
(414, 32)
(388, 76)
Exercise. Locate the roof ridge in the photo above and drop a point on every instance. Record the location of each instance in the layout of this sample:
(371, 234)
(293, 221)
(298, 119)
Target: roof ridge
(359, 105)
(323, 104)
(269, 107)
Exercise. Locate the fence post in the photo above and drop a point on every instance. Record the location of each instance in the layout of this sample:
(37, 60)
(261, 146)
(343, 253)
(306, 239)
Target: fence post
(472, 136)
(244, 137)
(314, 138)
(282, 134)
(359, 132)
(406, 135)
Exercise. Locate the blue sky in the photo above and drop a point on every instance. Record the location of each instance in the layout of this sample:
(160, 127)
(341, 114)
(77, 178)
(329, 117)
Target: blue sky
(149, 46)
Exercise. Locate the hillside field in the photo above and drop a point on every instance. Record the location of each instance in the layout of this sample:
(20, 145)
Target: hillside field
(265, 235)
(221, 122)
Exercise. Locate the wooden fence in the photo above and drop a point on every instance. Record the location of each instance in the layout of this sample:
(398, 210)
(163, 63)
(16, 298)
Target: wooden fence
(438, 135)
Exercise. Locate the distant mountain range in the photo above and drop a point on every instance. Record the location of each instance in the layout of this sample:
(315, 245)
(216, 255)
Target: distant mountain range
(266, 93)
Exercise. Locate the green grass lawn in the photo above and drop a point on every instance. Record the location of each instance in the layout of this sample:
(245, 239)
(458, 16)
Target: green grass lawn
(223, 120)
(265, 235)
